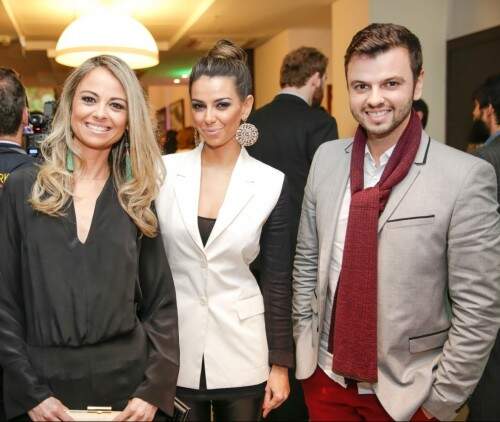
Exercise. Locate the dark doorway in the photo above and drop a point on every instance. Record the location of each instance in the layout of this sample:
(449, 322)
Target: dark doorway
(470, 60)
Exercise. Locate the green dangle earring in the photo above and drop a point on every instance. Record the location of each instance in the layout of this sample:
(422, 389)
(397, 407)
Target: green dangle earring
(128, 162)
(70, 164)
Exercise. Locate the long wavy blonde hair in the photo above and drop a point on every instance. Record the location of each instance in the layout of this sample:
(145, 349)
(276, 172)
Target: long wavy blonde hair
(53, 187)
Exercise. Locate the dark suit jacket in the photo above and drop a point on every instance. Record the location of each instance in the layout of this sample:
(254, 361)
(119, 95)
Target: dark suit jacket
(11, 158)
(491, 153)
(484, 404)
(290, 132)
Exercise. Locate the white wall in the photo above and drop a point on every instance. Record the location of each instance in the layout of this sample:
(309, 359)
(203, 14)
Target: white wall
(469, 16)
(428, 20)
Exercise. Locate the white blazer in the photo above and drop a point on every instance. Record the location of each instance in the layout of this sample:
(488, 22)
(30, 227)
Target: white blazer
(220, 305)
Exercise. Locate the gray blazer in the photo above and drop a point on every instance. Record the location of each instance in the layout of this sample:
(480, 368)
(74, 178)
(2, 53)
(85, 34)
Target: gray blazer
(438, 275)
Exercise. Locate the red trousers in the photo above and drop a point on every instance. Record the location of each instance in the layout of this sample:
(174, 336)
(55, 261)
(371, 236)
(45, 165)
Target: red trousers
(329, 401)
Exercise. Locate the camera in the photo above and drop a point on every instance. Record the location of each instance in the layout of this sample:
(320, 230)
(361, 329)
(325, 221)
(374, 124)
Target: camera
(39, 127)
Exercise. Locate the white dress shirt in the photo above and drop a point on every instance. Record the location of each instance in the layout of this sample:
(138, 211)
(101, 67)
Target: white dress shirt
(372, 174)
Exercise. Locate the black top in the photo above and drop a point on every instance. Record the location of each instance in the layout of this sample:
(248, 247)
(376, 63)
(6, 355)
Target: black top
(205, 226)
(290, 132)
(92, 323)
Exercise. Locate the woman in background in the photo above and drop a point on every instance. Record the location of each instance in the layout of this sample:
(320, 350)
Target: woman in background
(217, 209)
(87, 302)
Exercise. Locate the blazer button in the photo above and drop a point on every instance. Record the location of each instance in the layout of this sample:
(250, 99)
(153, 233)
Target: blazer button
(204, 264)
(203, 300)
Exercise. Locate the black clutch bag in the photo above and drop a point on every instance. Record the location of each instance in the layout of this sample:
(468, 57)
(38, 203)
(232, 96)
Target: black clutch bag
(181, 411)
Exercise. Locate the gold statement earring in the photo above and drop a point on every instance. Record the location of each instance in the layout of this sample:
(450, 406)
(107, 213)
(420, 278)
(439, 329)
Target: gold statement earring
(247, 134)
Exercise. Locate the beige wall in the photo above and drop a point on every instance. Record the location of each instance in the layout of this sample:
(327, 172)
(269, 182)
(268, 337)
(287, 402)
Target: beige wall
(269, 56)
(267, 59)
(319, 38)
(162, 95)
(469, 16)
(428, 20)
(348, 17)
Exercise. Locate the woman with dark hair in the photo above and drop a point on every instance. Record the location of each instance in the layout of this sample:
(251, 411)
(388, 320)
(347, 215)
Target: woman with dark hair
(218, 208)
(87, 302)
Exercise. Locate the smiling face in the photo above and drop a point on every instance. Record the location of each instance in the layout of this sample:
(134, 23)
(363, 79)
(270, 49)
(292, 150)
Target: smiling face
(381, 91)
(99, 111)
(217, 109)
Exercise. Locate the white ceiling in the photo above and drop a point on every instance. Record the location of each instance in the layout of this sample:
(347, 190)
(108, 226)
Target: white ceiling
(182, 28)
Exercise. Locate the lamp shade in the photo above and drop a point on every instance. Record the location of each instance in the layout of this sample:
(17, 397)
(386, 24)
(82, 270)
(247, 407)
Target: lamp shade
(107, 33)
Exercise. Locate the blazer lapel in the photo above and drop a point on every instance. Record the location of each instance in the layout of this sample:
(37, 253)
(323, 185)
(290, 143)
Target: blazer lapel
(333, 204)
(399, 191)
(239, 192)
(187, 192)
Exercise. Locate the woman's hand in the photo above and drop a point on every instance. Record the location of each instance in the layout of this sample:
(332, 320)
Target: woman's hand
(50, 409)
(277, 389)
(137, 410)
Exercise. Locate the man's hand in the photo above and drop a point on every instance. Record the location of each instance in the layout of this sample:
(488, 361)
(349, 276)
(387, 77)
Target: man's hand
(277, 389)
(137, 410)
(50, 409)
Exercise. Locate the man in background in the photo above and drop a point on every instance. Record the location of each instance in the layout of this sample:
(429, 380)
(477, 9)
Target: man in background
(486, 113)
(291, 128)
(13, 118)
(484, 404)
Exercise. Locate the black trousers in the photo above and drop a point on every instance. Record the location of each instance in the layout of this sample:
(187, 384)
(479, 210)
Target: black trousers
(484, 403)
(244, 409)
(2, 409)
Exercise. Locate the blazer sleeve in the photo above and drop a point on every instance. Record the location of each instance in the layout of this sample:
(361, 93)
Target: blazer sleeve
(26, 386)
(158, 313)
(474, 292)
(305, 266)
(324, 129)
(275, 281)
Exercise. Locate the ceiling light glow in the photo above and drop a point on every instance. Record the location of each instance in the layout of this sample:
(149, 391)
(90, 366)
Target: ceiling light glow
(104, 32)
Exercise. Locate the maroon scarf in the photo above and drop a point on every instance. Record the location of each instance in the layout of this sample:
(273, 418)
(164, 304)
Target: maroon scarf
(354, 314)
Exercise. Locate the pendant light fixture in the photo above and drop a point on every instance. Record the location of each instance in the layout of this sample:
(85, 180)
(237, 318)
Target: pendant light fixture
(106, 32)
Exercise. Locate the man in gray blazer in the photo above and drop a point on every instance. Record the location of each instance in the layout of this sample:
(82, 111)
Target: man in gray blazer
(398, 252)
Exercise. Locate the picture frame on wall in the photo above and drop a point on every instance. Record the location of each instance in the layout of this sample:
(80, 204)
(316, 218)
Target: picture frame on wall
(175, 115)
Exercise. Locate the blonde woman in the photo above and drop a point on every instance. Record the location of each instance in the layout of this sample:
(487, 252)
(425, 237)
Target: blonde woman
(87, 302)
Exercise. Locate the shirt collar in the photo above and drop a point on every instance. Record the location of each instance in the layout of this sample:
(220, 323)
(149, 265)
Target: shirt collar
(384, 158)
(4, 141)
(291, 91)
(492, 138)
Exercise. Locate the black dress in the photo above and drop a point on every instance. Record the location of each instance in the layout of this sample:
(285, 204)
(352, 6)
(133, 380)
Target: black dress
(90, 324)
